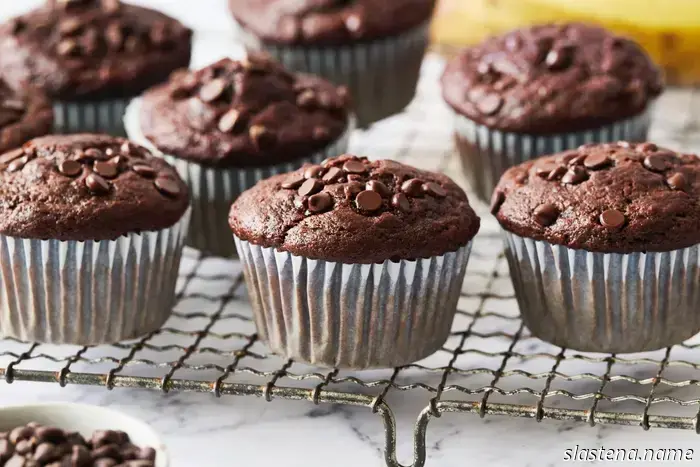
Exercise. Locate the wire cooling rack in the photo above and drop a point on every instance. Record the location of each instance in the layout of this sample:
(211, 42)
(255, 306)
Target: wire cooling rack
(490, 364)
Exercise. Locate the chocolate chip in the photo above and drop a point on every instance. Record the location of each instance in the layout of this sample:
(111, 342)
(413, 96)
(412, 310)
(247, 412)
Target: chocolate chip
(110, 6)
(144, 170)
(80, 455)
(413, 187)
(94, 153)
(16, 461)
(261, 137)
(354, 167)
(167, 186)
(106, 462)
(656, 162)
(368, 200)
(230, 121)
(401, 202)
(379, 187)
(25, 446)
(68, 47)
(310, 187)
(16, 105)
(96, 184)
(147, 453)
(293, 183)
(46, 452)
(677, 181)
(332, 175)
(353, 188)
(575, 175)
(18, 164)
(212, 90)
(433, 189)
(489, 104)
(521, 178)
(577, 159)
(647, 147)
(106, 169)
(11, 155)
(114, 35)
(545, 169)
(314, 171)
(612, 219)
(320, 202)
(557, 173)
(546, 214)
(307, 99)
(497, 200)
(69, 26)
(560, 58)
(70, 168)
(126, 148)
(596, 161)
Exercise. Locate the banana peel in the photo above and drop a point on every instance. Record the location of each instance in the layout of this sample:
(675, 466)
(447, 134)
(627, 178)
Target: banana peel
(668, 29)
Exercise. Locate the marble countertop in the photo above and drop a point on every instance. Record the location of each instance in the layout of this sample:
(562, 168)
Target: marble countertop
(202, 430)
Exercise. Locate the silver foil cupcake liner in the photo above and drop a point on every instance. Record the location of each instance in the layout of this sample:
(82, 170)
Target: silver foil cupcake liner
(213, 190)
(352, 315)
(90, 117)
(381, 75)
(487, 153)
(92, 292)
(605, 302)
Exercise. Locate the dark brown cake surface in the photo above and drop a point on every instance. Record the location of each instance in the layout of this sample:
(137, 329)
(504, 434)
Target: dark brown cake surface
(613, 198)
(351, 210)
(24, 114)
(87, 187)
(92, 49)
(551, 79)
(329, 22)
(244, 114)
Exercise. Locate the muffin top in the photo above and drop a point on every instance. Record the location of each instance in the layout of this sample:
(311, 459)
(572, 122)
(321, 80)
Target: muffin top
(86, 187)
(351, 210)
(92, 49)
(243, 113)
(612, 198)
(550, 79)
(329, 22)
(24, 114)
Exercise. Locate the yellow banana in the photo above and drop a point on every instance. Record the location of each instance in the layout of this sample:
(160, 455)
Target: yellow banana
(668, 30)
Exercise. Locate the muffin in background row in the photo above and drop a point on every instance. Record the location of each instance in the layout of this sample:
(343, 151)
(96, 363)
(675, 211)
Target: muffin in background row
(233, 123)
(545, 89)
(374, 47)
(91, 233)
(24, 114)
(91, 57)
(603, 244)
(352, 263)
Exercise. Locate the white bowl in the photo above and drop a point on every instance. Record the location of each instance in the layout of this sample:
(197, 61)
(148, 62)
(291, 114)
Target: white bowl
(84, 419)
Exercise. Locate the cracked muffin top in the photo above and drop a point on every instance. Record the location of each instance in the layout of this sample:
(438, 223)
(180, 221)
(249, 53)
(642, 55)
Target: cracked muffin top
(613, 198)
(551, 79)
(87, 187)
(352, 210)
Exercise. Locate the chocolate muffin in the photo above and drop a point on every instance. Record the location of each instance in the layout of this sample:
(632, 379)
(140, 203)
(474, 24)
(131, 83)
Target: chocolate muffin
(91, 233)
(24, 114)
(353, 263)
(603, 245)
(233, 123)
(375, 47)
(91, 57)
(545, 89)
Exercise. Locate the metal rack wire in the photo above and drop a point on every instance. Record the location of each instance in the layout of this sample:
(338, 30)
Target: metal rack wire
(490, 365)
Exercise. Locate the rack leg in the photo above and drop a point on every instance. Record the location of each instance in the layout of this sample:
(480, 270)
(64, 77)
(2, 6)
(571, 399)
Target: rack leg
(419, 443)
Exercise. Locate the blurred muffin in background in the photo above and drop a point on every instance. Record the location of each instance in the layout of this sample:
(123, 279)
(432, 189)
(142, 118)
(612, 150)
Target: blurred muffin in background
(375, 47)
(91, 57)
(545, 89)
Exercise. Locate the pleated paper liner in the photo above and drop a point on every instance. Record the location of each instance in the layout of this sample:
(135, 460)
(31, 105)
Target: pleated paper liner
(92, 292)
(486, 154)
(213, 189)
(606, 302)
(381, 75)
(90, 117)
(352, 315)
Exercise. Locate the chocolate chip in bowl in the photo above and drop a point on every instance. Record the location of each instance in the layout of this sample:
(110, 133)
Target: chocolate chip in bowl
(603, 257)
(76, 435)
